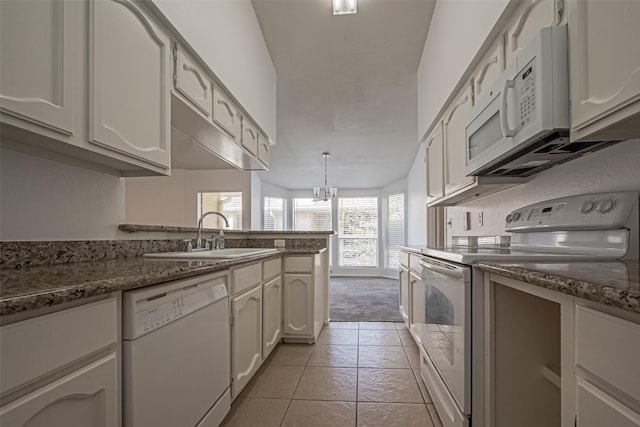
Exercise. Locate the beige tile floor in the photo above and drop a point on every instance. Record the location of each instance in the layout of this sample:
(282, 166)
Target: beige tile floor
(357, 374)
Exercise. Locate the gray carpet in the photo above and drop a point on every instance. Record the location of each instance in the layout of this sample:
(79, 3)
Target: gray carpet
(363, 299)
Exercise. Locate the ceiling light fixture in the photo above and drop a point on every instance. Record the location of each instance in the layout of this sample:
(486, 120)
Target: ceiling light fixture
(344, 7)
(328, 192)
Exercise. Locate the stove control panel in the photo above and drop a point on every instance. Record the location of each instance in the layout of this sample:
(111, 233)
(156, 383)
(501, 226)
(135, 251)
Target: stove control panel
(584, 212)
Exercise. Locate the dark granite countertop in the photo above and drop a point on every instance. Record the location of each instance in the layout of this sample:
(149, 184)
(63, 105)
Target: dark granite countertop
(615, 283)
(31, 288)
(134, 228)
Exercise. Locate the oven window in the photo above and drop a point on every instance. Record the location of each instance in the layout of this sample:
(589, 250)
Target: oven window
(439, 315)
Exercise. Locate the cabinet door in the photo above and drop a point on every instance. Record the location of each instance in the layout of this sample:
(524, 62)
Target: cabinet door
(263, 149)
(489, 70)
(404, 294)
(604, 58)
(416, 291)
(271, 315)
(595, 408)
(86, 397)
(246, 338)
(454, 124)
(193, 82)
(37, 71)
(225, 113)
(130, 83)
(249, 136)
(298, 304)
(529, 19)
(435, 164)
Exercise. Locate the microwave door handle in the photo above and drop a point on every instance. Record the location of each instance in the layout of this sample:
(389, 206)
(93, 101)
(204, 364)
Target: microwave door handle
(504, 121)
(459, 273)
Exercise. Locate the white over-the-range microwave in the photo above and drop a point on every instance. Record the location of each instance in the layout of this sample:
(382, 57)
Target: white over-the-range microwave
(521, 126)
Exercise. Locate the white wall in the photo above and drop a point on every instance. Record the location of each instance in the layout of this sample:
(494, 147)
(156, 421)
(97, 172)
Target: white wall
(256, 202)
(458, 29)
(227, 36)
(416, 202)
(612, 169)
(172, 200)
(47, 200)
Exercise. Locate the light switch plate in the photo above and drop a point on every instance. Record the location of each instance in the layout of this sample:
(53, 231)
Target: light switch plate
(480, 219)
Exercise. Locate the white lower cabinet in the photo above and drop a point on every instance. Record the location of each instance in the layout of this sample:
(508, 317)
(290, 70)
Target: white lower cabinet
(271, 315)
(404, 294)
(62, 368)
(305, 280)
(246, 338)
(86, 397)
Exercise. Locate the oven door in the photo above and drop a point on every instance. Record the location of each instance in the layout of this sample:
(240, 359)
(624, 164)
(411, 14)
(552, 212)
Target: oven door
(446, 334)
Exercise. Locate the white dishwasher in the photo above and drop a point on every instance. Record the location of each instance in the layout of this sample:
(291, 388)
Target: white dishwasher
(176, 353)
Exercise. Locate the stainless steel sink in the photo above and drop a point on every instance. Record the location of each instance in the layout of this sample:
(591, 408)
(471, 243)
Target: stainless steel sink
(213, 254)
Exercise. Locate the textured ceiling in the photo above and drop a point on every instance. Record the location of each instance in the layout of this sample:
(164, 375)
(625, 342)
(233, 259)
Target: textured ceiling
(346, 85)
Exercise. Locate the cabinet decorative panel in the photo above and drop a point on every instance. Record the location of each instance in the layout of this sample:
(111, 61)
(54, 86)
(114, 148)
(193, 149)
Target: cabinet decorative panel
(488, 71)
(404, 294)
(130, 82)
(246, 336)
(454, 142)
(37, 71)
(605, 58)
(225, 113)
(263, 149)
(249, 137)
(272, 315)
(435, 164)
(298, 313)
(86, 397)
(193, 83)
(530, 18)
(595, 408)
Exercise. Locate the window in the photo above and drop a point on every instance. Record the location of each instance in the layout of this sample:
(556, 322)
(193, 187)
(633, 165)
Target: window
(311, 216)
(273, 216)
(358, 232)
(394, 233)
(227, 203)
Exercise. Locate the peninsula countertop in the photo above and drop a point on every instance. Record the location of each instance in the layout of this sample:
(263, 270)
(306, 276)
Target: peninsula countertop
(615, 283)
(32, 288)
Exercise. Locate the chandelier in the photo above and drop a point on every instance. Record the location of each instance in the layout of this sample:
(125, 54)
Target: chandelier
(327, 192)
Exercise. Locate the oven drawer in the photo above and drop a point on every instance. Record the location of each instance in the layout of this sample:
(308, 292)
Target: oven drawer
(448, 410)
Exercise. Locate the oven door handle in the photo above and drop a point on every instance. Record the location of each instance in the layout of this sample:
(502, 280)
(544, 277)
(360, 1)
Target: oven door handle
(446, 269)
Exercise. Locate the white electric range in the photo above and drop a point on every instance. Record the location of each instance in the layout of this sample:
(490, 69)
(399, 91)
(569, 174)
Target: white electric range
(449, 326)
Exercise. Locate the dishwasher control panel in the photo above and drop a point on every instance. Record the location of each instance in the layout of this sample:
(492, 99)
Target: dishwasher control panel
(151, 308)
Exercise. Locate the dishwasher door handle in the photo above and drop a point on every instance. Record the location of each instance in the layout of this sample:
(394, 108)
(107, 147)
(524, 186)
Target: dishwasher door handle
(446, 269)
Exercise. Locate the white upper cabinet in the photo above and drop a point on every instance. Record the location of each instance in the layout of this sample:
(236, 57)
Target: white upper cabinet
(263, 149)
(226, 113)
(454, 123)
(528, 20)
(489, 70)
(130, 65)
(435, 164)
(192, 82)
(249, 136)
(37, 72)
(605, 69)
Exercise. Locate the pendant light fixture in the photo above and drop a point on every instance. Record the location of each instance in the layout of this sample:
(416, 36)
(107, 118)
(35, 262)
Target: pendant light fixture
(327, 192)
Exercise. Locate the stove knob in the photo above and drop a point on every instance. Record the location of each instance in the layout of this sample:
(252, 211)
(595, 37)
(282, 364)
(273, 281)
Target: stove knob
(587, 207)
(509, 218)
(606, 205)
(516, 216)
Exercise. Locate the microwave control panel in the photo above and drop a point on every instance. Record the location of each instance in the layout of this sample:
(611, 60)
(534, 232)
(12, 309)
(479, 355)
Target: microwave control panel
(526, 84)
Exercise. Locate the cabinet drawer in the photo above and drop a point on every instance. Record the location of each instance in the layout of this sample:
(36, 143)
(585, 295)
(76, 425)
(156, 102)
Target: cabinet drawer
(298, 264)
(596, 408)
(609, 347)
(414, 263)
(271, 268)
(404, 258)
(38, 346)
(246, 277)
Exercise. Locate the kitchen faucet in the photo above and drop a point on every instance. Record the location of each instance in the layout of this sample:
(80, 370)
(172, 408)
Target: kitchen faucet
(199, 232)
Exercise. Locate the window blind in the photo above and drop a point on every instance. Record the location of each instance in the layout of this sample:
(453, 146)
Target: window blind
(227, 203)
(311, 216)
(394, 230)
(273, 216)
(358, 231)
